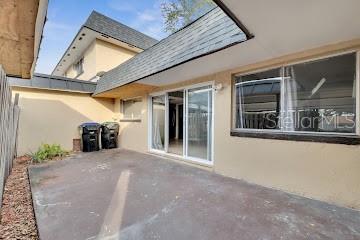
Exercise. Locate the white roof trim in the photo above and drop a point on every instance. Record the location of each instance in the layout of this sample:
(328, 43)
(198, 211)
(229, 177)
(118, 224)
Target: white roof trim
(72, 54)
(39, 28)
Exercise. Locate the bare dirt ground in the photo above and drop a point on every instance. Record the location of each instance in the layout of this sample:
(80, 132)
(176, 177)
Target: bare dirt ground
(17, 215)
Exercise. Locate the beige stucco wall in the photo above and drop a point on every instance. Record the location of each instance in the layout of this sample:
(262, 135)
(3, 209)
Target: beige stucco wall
(70, 72)
(133, 135)
(328, 172)
(89, 65)
(109, 55)
(53, 116)
(100, 56)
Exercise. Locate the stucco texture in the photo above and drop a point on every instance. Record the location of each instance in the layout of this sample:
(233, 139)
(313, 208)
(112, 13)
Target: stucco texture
(328, 172)
(109, 56)
(53, 117)
(133, 135)
(100, 56)
(323, 171)
(89, 64)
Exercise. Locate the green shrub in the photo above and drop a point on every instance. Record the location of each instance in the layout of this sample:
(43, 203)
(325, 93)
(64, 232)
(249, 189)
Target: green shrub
(48, 152)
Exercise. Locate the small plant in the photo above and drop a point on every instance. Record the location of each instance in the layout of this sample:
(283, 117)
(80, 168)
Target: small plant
(48, 152)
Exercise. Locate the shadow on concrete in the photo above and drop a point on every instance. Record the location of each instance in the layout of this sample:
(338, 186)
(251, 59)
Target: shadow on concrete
(121, 194)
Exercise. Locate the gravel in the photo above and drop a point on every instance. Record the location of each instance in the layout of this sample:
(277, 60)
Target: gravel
(17, 214)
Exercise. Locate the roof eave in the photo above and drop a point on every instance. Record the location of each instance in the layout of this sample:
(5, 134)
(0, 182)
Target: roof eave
(67, 50)
(39, 30)
(169, 68)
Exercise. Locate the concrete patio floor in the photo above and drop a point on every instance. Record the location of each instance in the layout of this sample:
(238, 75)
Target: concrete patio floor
(121, 194)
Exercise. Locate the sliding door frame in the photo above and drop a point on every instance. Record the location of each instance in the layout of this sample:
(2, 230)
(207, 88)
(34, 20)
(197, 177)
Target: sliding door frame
(150, 124)
(184, 156)
(210, 140)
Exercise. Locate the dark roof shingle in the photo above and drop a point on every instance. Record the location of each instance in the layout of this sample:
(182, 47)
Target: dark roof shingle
(44, 81)
(119, 31)
(212, 32)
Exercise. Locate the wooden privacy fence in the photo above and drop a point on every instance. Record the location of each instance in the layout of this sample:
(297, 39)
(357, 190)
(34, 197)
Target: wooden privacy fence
(9, 118)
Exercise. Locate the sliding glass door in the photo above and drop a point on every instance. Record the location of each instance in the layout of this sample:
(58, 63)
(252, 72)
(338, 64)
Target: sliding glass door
(175, 124)
(158, 123)
(181, 123)
(199, 123)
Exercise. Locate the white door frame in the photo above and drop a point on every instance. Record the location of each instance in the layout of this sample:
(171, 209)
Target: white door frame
(150, 126)
(210, 155)
(210, 160)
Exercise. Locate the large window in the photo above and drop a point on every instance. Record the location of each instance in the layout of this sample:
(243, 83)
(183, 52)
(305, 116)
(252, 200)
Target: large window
(158, 112)
(317, 96)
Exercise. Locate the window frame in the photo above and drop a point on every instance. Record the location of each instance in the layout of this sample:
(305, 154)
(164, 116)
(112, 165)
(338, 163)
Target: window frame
(127, 119)
(349, 138)
(77, 65)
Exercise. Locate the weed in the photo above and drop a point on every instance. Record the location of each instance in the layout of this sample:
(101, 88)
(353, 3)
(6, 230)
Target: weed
(47, 152)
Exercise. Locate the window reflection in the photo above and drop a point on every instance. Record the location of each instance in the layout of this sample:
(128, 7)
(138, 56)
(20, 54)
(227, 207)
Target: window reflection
(317, 96)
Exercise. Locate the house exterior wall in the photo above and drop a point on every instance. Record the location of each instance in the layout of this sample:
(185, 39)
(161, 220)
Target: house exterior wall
(328, 172)
(127, 138)
(100, 56)
(53, 116)
(322, 171)
(109, 56)
(89, 65)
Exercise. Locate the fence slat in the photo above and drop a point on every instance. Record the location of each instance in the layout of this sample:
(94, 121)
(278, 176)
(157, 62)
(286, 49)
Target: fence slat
(9, 119)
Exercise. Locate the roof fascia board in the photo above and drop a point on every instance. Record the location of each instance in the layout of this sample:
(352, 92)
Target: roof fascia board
(39, 30)
(78, 35)
(64, 54)
(53, 89)
(113, 37)
(22, 83)
(103, 34)
(237, 22)
(176, 65)
(62, 78)
(233, 17)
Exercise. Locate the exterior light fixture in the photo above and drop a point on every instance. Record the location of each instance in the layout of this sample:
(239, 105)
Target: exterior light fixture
(218, 87)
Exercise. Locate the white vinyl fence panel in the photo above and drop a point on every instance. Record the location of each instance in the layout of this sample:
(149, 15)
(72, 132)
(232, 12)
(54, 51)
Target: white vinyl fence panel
(9, 117)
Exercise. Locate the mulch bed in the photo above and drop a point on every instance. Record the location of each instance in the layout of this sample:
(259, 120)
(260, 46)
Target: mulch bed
(17, 214)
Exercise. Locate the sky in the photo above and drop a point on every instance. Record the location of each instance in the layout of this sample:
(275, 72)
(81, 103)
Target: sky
(65, 17)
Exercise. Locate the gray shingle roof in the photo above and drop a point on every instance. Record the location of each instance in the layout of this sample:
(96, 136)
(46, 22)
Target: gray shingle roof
(119, 31)
(43, 81)
(212, 32)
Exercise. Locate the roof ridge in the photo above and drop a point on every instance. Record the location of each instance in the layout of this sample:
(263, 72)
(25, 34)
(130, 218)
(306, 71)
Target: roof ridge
(117, 22)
